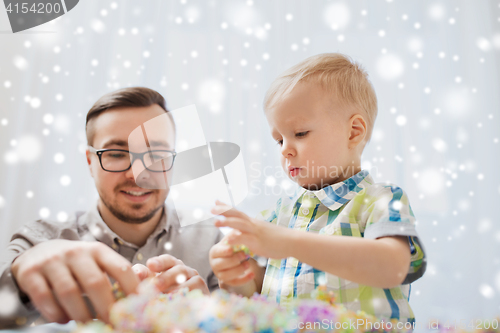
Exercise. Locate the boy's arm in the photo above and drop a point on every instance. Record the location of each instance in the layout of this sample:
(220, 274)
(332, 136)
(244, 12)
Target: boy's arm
(381, 262)
(251, 287)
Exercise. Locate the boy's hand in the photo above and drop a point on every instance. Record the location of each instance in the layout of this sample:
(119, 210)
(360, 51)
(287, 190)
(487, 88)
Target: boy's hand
(263, 238)
(170, 274)
(231, 268)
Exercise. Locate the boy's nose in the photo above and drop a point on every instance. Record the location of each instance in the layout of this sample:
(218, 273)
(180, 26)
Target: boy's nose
(287, 150)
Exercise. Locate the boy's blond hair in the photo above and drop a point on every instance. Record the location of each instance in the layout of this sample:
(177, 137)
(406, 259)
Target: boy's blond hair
(337, 74)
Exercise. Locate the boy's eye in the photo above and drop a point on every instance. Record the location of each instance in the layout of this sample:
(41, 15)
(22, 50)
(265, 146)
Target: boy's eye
(302, 134)
(279, 142)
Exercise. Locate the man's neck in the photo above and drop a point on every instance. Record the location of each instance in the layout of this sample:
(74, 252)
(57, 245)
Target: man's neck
(133, 233)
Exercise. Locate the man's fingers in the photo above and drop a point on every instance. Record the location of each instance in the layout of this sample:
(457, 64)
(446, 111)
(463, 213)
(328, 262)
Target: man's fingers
(233, 273)
(196, 282)
(142, 271)
(238, 223)
(118, 268)
(41, 295)
(95, 284)
(162, 263)
(67, 291)
(175, 276)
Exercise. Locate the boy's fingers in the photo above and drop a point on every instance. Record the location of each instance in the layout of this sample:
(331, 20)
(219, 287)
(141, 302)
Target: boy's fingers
(248, 276)
(220, 264)
(233, 273)
(227, 211)
(222, 251)
(236, 223)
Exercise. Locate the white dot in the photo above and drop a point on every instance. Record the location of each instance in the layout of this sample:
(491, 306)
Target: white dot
(417, 25)
(134, 31)
(270, 181)
(440, 145)
(180, 278)
(185, 86)
(2, 201)
(294, 47)
(168, 246)
(451, 21)
(146, 54)
(437, 111)
(397, 205)
(487, 291)
(27, 44)
(44, 213)
(480, 176)
(223, 25)
(243, 62)
(266, 56)
(427, 90)
(113, 5)
(305, 41)
(48, 118)
(381, 33)
(104, 12)
(7, 84)
(57, 69)
(126, 64)
(57, 49)
(340, 38)
(5, 122)
(59, 97)
(35, 103)
(289, 17)
(121, 31)
(94, 62)
(194, 54)
(62, 216)
(401, 120)
(29, 194)
(65, 180)
(442, 55)
(59, 158)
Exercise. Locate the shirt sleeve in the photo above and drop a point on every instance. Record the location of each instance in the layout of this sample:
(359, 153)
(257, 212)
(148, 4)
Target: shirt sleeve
(20, 311)
(389, 214)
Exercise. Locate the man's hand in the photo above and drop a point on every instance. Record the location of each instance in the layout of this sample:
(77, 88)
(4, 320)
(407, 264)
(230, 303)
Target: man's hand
(55, 273)
(231, 268)
(263, 238)
(170, 274)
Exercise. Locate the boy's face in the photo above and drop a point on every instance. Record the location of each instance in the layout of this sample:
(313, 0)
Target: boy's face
(312, 132)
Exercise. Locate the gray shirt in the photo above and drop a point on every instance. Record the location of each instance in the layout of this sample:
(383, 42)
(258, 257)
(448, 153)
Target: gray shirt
(190, 244)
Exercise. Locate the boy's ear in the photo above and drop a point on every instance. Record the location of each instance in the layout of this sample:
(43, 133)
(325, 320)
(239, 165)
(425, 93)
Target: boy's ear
(357, 130)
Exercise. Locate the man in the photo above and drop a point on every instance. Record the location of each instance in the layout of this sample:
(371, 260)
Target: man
(50, 265)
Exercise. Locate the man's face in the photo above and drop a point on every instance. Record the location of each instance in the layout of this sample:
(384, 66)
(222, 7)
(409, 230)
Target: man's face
(118, 191)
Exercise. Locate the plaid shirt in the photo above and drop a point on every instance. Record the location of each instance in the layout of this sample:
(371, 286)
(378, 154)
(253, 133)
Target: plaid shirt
(356, 207)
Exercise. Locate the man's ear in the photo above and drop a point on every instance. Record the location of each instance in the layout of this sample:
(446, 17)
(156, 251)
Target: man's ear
(89, 161)
(357, 130)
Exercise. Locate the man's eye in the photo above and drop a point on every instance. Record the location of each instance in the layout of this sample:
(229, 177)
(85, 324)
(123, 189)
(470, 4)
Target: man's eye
(279, 142)
(118, 155)
(302, 133)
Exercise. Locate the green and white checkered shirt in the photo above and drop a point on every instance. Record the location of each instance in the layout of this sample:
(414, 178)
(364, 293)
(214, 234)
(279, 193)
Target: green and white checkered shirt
(356, 207)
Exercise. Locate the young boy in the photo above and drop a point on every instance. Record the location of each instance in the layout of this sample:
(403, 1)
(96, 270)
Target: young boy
(341, 229)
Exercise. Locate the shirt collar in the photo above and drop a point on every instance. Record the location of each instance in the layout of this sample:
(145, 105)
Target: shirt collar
(101, 232)
(336, 195)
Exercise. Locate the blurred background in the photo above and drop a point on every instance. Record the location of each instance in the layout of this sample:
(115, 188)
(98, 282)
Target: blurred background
(434, 65)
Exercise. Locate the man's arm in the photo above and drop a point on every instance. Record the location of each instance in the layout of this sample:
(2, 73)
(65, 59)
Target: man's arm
(18, 310)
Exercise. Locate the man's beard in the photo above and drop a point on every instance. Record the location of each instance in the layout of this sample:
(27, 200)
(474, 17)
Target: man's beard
(122, 216)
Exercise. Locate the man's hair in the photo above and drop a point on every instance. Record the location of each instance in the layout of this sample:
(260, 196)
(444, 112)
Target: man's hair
(123, 98)
(339, 75)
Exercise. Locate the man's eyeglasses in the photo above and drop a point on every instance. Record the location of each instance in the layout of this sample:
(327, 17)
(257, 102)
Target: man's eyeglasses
(118, 160)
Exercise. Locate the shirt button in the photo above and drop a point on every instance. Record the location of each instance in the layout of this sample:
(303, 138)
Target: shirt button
(114, 246)
(330, 231)
(139, 256)
(305, 211)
